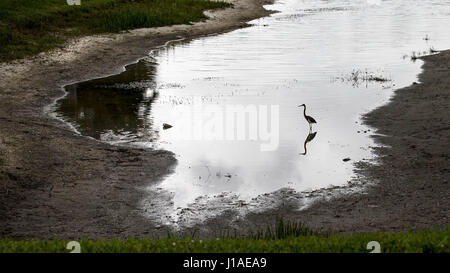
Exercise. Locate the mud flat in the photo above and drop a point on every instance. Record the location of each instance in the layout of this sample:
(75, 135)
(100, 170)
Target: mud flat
(408, 188)
(57, 184)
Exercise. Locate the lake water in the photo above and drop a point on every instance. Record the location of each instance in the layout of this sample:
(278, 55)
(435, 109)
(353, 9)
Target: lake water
(232, 101)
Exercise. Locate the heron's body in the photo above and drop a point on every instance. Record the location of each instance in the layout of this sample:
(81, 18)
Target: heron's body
(309, 119)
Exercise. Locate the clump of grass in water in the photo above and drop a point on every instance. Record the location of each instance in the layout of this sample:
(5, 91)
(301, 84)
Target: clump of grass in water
(414, 56)
(358, 76)
(432, 50)
(417, 55)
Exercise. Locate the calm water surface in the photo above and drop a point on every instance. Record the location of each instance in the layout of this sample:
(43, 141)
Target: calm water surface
(305, 53)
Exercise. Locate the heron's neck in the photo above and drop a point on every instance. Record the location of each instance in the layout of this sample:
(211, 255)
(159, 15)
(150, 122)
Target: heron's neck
(304, 110)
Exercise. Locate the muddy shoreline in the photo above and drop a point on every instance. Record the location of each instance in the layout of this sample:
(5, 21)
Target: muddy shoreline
(57, 184)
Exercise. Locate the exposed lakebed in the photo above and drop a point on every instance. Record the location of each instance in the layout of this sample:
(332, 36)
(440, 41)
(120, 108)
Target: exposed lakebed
(308, 53)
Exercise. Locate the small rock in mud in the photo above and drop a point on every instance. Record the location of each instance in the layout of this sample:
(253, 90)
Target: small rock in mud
(166, 126)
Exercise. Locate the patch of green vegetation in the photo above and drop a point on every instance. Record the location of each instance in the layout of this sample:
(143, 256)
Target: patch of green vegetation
(283, 238)
(29, 27)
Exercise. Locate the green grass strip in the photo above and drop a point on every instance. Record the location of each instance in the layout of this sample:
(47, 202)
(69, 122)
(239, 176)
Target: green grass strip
(427, 241)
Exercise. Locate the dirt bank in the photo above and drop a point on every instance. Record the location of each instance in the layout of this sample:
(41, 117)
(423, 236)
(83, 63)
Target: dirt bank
(410, 185)
(54, 183)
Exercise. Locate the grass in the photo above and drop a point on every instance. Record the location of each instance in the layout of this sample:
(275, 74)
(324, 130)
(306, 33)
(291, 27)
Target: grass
(284, 229)
(28, 27)
(366, 76)
(417, 55)
(282, 238)
(358, 77)
(432, 50)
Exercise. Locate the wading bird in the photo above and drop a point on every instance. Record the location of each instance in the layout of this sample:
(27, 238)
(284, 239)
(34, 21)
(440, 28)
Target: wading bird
(309, 119)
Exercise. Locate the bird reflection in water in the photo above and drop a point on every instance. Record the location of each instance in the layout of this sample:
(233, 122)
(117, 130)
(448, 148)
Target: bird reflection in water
(310, 137)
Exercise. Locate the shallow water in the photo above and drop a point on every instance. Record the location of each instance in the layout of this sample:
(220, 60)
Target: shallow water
(305, 54)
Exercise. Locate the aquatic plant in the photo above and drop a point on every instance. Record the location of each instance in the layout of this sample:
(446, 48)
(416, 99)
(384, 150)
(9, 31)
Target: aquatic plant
(358, 76)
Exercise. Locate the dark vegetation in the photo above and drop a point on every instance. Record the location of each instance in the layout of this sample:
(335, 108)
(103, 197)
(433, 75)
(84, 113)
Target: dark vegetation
(29, 27)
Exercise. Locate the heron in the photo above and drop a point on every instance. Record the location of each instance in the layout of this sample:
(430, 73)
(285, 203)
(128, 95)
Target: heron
(309, 119)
